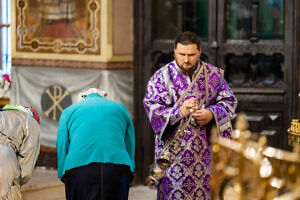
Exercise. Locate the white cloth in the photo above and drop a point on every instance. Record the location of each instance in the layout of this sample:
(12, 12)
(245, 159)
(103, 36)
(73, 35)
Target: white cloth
(20, 143)
(28, 84)
(8, 168)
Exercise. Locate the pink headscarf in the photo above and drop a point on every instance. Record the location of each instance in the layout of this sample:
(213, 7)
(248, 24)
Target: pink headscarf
(6, 76)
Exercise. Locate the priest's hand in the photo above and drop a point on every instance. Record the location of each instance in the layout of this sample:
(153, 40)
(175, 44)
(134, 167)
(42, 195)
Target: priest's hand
(203, 116)
(187, 105)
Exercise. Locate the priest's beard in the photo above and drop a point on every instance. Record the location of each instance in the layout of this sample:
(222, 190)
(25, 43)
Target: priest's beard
(189, 71)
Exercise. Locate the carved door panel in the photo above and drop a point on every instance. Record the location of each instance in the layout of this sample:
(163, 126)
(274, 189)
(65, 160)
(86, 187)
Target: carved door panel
(252, 41)
(167, 18)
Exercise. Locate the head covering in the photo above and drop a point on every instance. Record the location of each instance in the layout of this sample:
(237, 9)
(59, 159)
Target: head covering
(35, 114)
(82, 95)
(27, 109)
(17, 107)
(6, 76)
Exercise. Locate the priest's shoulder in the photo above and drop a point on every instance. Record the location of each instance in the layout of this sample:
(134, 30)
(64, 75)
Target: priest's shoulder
(214, 69)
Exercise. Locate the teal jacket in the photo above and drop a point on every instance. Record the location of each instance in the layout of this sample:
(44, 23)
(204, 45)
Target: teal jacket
(94, 130)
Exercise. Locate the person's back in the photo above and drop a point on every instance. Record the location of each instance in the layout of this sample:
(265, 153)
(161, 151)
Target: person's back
(19, 147)
(97, 129)
(12, 125)
(94, 132)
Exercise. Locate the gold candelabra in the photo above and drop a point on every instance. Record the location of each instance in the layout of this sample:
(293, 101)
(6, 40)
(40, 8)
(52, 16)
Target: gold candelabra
(245, 168)
(294, 133)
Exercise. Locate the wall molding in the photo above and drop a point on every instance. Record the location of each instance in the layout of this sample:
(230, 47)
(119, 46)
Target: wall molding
(71, 64)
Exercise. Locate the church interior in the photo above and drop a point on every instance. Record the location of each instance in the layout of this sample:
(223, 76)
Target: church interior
(50, 52)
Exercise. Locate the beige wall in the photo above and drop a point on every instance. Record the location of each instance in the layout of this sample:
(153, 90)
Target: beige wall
(123, 27)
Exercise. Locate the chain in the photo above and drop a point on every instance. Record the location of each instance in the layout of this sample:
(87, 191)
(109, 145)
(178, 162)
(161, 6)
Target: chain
(178, 137)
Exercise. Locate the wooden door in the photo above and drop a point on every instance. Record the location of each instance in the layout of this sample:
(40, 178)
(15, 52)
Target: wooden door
(253, 47)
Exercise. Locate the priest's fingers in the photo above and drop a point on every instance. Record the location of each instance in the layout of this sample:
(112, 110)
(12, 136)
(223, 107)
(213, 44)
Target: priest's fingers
(187, 106)
(203, 116)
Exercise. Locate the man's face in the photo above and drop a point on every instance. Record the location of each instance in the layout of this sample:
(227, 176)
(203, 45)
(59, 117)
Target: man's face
(186, 56)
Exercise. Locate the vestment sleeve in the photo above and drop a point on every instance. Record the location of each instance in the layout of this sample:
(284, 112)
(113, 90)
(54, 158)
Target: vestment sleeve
(159, 105)
(29, 149)
(223, 109)
(62, 144)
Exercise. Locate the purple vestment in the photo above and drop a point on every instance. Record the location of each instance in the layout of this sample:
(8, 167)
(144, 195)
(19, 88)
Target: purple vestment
(189, 175)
